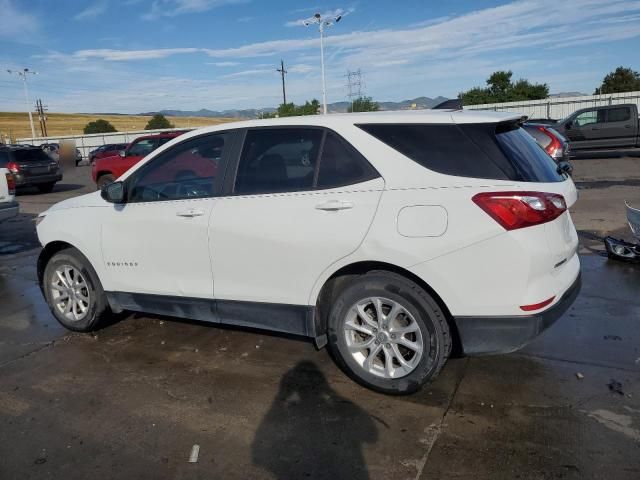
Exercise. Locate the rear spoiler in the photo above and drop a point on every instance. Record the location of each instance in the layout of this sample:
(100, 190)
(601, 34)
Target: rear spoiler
(451, 104)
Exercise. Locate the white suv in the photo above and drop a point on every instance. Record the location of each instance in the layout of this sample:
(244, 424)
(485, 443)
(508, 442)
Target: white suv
(8, 205)
(393, 237)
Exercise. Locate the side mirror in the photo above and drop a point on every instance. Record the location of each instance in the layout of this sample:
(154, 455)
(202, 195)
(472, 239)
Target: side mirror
(122, 153)
(565, 167)
(113, 193)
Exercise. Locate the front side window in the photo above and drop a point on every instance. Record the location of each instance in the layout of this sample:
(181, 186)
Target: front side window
(142, 148)
(278, 160)
(191, 169)
(590, 117)
(621, 114)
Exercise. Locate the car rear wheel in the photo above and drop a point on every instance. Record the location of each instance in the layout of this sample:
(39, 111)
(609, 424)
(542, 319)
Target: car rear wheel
(73, 291)
(388, 333)
(105, 180)
(46, 187)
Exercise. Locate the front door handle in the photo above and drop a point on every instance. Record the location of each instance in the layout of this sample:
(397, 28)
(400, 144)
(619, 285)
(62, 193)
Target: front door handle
(190, 213)
(334, 205)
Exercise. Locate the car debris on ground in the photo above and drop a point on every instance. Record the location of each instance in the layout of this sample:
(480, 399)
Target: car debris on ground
(620, 249)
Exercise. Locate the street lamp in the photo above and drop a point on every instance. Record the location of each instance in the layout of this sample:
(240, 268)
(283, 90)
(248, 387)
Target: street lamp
(322, 24)
(23, 73)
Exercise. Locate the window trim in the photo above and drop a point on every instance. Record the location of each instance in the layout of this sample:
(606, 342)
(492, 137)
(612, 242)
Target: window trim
(218, 183)
(232, 171)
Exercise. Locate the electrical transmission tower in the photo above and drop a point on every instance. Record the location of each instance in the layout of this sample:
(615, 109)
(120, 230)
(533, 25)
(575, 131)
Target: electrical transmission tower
(354, 85)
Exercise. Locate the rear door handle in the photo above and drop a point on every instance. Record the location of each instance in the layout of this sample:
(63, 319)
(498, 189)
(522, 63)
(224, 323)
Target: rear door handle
(190, 213)
(334, 205)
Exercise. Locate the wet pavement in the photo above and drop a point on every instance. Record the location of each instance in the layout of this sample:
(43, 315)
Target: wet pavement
(131, 400)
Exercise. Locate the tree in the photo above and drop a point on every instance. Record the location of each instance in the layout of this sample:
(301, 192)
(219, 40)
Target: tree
(500, 88)
(292, 110)
(99, 126)
(364, 104)
(158, 121)
(620, 80)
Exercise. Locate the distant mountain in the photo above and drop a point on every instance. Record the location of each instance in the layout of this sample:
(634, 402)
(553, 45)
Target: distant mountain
(337, 107)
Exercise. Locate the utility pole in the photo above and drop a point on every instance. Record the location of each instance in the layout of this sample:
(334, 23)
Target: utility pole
(23, 73)
(42, 117)
(282, 73)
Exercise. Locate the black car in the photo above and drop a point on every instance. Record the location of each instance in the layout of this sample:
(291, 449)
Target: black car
(31, 167)
(106, 150)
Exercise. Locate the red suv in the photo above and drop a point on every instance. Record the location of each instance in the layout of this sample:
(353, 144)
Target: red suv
(106, 169)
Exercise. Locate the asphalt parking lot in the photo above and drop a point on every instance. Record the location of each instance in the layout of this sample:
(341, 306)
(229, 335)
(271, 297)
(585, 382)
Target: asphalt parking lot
(131, 400)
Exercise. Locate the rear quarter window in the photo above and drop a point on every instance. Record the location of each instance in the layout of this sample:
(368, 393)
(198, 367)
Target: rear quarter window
(491, 151)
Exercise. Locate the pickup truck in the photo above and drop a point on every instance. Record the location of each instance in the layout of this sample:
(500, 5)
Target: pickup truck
(107, 169)
(613, 126)
(8, 204)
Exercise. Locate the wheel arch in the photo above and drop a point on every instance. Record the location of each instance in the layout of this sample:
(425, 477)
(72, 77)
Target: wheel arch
(343, 275)
(48, 251)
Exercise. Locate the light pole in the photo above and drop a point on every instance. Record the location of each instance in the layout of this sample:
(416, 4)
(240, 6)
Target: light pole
(322, 24)
(23, 73)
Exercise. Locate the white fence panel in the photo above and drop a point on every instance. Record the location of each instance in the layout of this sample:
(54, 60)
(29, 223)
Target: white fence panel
(86, 143)
(559, 107)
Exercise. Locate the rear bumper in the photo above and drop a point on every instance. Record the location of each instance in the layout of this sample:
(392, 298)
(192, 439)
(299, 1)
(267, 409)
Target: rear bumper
(24, 181)
(486, 335)
(8, 210)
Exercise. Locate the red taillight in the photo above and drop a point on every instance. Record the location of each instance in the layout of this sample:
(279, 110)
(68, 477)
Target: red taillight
(555, 147)
(537, 306)
(11, 184)
(13, 167)
(515, 210)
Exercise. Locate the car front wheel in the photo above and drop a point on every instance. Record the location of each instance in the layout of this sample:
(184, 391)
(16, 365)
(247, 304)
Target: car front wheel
(388, 333)
(73, 291)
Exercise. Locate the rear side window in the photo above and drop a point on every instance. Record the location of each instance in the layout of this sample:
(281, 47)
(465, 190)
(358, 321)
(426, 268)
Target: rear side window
(278, 160)
(341, 164)
(4, 158)
(621, 114)
(500, 152)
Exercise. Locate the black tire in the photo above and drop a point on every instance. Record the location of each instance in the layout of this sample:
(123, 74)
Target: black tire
(428, 316)
(46, 187)
(98, 306)
(104, 180)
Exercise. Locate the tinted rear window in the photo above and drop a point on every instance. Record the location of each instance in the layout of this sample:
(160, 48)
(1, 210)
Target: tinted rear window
(492, 151)
(30, 155)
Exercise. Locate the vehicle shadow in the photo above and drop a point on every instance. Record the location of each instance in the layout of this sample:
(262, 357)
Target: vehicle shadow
(59, 188)
(603, 154)
(18, 234)
(311, 431)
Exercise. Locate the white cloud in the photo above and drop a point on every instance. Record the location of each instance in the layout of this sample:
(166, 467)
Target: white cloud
(127, 55)
(92, 11)
(329, 14)
(250, 73)
(16, 24)
(173, 8)
(223, 64)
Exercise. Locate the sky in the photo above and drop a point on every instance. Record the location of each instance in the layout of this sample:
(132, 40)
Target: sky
(132, 56)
